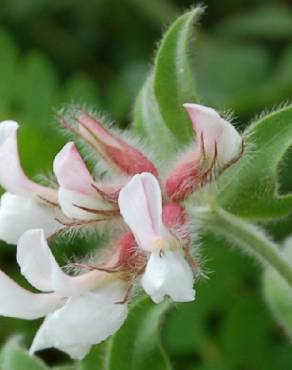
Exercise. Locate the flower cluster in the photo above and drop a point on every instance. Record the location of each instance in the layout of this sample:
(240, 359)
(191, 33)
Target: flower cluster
(153, 247)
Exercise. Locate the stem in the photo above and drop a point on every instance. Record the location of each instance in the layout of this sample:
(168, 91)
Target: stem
(247, 236)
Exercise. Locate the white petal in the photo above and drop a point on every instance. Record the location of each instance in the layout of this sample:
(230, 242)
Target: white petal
(12, 177)
(71, 171)
(140, 203)
(83, 321)
(214, 128)
(70, 201)
(18, 214)
(36, 260)
(76, 188)
(18, 302)
(40, 268)
(168, 275)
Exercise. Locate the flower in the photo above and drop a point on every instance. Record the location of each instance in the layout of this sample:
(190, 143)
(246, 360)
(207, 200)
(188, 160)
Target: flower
(25, 204)
(218, 146)
(167, 272)
(80, 310)
(80, 199)
(79, 196)
(156, 248)
(215, 132)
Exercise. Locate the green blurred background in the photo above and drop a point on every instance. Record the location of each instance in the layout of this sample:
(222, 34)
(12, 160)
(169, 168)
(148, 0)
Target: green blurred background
(98, 52)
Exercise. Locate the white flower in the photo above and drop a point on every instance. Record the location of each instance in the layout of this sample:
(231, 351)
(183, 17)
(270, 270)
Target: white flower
(213, 130)
(80, 311)
(77, 196)
(167, 272)
(26, 204)
(218, 145)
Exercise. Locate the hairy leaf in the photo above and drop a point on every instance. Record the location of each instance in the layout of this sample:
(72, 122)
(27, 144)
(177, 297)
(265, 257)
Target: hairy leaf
(278, 293)
(249, 188)
(159, 115)
(149, 123)
(173, 74)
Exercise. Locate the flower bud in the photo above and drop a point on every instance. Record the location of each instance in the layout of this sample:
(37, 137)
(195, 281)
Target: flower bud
(214, 134)
(121, 155)
(218, 146)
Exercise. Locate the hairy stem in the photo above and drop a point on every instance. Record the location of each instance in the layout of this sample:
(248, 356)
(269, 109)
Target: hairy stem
(248, 236)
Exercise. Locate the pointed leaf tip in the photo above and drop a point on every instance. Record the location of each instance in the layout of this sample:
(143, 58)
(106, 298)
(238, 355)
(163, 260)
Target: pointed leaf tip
(159, 113)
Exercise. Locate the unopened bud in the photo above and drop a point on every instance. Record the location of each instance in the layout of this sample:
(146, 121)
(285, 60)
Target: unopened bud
(114, 150)
(218, 146)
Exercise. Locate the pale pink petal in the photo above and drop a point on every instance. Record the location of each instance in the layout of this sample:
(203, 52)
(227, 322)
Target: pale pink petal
(40, 268)
(214, 130)
(71, 202)
(140, 203)
(71, 171)
(12, 177)
(76, 186)
(20, 303)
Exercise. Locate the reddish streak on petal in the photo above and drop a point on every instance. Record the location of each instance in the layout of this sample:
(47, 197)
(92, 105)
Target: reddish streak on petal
(125, 157)
(108, 193)
(184, 178)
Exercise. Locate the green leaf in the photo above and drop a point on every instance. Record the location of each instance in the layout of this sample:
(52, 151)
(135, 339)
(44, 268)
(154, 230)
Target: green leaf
(238, 331)
(159, 114)
(249, 188)
(136, 346)
(278, 293)
(149, 123)
(14, 357)
(95, 359)
(173, 74)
